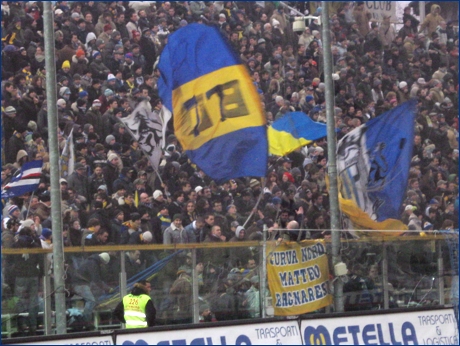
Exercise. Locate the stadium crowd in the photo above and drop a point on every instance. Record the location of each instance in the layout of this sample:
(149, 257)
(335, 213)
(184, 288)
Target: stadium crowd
(106, 55)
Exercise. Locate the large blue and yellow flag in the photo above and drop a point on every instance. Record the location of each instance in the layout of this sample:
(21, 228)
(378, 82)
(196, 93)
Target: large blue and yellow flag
(292, 131)
(217, 112)
(373, 164)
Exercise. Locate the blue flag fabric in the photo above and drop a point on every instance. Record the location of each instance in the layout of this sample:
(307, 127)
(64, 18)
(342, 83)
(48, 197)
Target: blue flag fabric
(26, 181)
(217, 113)
(373, 164)
(293, 130)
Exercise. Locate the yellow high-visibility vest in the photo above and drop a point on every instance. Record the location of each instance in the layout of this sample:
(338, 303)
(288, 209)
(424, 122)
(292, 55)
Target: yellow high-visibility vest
(134, 307)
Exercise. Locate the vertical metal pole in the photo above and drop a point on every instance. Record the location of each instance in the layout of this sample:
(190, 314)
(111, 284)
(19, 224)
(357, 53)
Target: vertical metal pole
(421, 5)
(331, 152)
(263, 275)
(196, 303)
(56, 221)
(123, 289)
(440, 274)
(47, 315)
(386, 297)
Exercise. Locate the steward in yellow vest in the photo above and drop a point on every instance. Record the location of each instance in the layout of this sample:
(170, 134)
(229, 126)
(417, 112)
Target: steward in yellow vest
(136, 310)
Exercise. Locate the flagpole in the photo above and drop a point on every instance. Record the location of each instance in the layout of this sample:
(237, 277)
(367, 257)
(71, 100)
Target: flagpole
(28, 208)
(331, 152)
(56, 220)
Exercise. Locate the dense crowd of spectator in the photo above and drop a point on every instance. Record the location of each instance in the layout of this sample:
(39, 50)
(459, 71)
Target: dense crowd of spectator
(106, 55)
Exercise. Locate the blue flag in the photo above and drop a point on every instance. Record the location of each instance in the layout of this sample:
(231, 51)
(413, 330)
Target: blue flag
(217, 112)
(373, 164)
(26, 181)
(293, 130)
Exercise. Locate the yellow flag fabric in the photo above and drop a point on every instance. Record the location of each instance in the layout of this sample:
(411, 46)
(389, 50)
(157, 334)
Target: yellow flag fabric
(298, 277)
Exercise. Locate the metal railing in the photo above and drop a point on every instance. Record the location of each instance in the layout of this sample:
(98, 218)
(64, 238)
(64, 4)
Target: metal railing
(384, 273)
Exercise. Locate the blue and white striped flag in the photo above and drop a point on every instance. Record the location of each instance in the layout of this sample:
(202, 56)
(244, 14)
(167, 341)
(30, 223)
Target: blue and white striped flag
(26, 181)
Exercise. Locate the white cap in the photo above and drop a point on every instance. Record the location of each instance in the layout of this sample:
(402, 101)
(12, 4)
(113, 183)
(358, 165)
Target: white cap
(410, 207)
(402, 85)
(157, 193)
(198, 189)
(105, 257)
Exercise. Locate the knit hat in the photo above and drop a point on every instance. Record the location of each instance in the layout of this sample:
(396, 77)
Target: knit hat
(238, 230)
(80, 52)
(96, 53)
(61, 103)
(129, 56)
(27, 223)
(427, 226)
(112, 156)
(107, 27)
(109, 138)
(177, 216)
(254, 183)
(421, 81)
(198, 189)
(157, 193)
(105, 257)
(10, 110)
(110, 77)
(410, 207)
(12, 208)
(309, 98)
(82, 94)
(402, 85)
(102, 187)
(147, 236)
(97, 103)
(64, 91)
(135, 216)
(66, 64)
(108, 92)
(47, 233)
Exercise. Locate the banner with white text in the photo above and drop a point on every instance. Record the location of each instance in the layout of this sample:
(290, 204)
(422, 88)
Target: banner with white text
(431, 327)
(298, 277)
(274, 333)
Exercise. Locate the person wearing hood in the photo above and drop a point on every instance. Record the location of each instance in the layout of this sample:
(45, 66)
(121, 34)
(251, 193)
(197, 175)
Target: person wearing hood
(90, 44)
(136, 310)
(432, 20)
(88, 284)
(239, 255)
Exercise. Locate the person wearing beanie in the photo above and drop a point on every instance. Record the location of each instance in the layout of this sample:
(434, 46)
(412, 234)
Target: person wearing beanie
(136, 310)
(97, 67)
(175, 233)
(88, 283)
(14, 212)
(46, 238)
(79, 63)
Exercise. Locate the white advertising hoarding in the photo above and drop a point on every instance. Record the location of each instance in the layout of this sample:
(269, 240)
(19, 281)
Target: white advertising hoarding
(92, 340)
(431, 327)
(274, 333)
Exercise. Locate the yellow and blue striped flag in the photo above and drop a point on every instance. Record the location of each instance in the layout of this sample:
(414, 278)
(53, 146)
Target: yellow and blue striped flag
(217, 113)
(292, 131)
